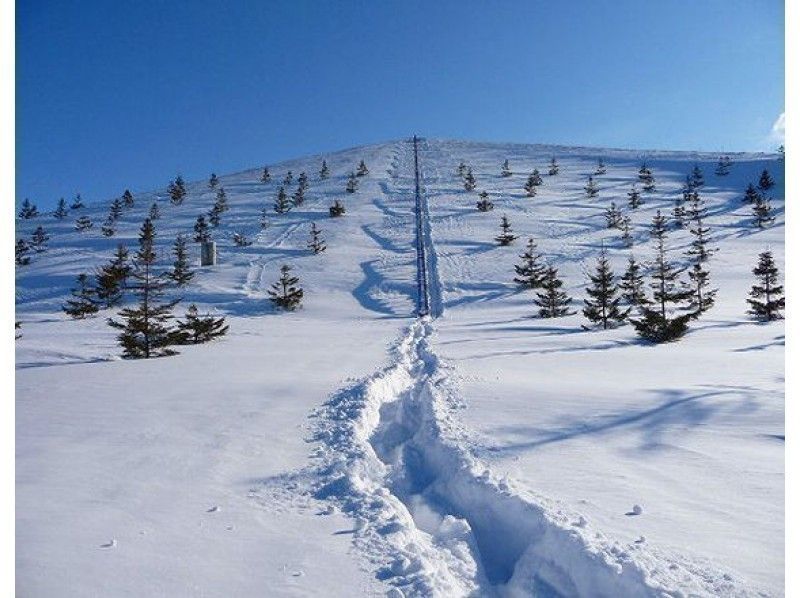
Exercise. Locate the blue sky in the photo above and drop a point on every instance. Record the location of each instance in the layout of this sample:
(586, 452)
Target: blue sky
(127, 94)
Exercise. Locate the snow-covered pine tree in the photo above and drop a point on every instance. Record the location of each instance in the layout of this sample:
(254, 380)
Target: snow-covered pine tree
(362, 169)
(762, 212)
(530, 187)
(552, 301)
(530, 272)
(659, 323)
(298, 197)
(751, 194)
(697, 177)
(631, 285)
(201, 232)
(284, 294)
(634, 198)
(602, 307)
(82, 303)
(679, 211)
(221, 201)
(213, 181)
(214, 217)
(108, 228)
(28, 210)
(469, 180)
(765, 181)
(505, 170)
(601, 167)
(484, 205)
(302, 181)
(462, 169)
(115, 209)
(61, 209)
(195, 328)
(265, 175)
(315, 242)
(337, 209)
(282, 204)
(352, 183)
(111, 279)
(83, 223)
(77, 203)
(127, 199)
(324, 171)
(39, 239)
(22, 251)
(766, 296)
(177, 191)
(240, 239)
(553, 167)
(723, 166)
(181, 273)
(625, 227)
(613, 216)
(145, 330)
(591, 188)
(154, 213)
(287, 180)
(506, 236)
(644, 173)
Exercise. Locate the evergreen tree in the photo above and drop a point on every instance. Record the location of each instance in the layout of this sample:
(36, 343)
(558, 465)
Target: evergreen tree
(265, 175)
(553, 167)
(316, 243)
(287, 180)
(115, 209)
(484, 205)
(765, 181)
(82, 303)
(505, 170)
(530, 272)
(762, 212)
(699, 248)
(644, 173)
(613, 216)
(591, 188)
(469, 180)
(552, 301)
(657, 324)
(603, 304)
(625, 227)
(284, 294)
(352, 183)
(111, 279)
(181, 273)
(634, 198)
(154, 212)
(703, 297)
(39, 239)
(506, 236)
(697, 177)
(145, 330)
(221, 201)
(679, 212)
(631, 285)
(751, 194)
(213, 181)
(214, 217)
(337, 209)
(241, 240)
(177, 190)
(28, 210)
(21, 253)
(324, 172)
(201, 232)
(127, 199)
(462, 169)
(61, 210)
(195, 328)
(83, 223)
(723, 166)
(362, 169)
(264, 219)
(77, 203)
(282, 204)
(108, 229)
(601, 167)
(302, 181)
(299, 196)
(530, 187)
(767, 300)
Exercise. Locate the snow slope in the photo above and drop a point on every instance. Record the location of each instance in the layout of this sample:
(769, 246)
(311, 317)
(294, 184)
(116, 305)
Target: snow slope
(477, 451)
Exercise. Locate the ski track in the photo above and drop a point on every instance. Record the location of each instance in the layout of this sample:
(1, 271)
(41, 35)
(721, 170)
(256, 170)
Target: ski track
(431, 519)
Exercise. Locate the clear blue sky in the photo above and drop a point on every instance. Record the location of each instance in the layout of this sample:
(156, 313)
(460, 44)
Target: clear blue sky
(128, 93)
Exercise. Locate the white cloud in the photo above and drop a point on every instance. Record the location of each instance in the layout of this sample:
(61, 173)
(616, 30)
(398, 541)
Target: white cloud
(778, 134)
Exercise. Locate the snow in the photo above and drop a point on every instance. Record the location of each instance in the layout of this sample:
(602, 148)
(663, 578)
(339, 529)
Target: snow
(352, 447)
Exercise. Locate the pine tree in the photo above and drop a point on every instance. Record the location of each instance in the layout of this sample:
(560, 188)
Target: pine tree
(552, 300)
(39, 239)
(484, 205)
(77, 203)
(145, 330)
(21, 251)
(241, 240)
(282, 204)
(201, 232)
(591, 188)
(767, 300)
(195, 328)
(765, 181)
(699, 248)
(83, 223)
(115, 209)
(723, 166)
(61, 210)
(352, 183)
(298, 197)
(530, 187)
(644, 173)
(657, 324)
(751, 194)
(634, 198)
(697, 177)
(469, 180)
(108, 229)
(703, 297)
(601, 167)
(337, 209)
(127, 199)
(530, 272)
(220, 202)
(287, 180)
(264, 219)
(462, 169)
(679, 212)
(625, 227)
(324, 171)
(28, 210)
(506, 236)
(553, 167)
(505, 170)
(111, 279)
(214, 217)
(315, 242)
(181, 273)
(177, 190)
(154, 212)
(82, 304)
(265, 175)
(284, 294)
(631, 285)
(362, 169)
(302, 181)
(613, 216)
(213, 181)
(603, 304)
(762, 212)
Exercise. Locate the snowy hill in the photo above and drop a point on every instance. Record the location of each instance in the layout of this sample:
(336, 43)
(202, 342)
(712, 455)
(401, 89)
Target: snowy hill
(355, 449)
